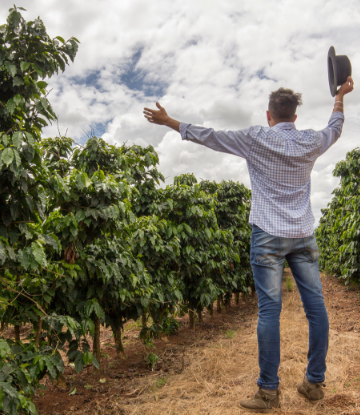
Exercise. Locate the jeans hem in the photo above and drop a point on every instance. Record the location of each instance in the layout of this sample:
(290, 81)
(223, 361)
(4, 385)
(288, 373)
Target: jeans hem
(269, 386)
(311, 379)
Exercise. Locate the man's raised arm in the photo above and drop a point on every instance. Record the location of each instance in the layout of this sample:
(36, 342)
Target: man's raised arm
(230, 142)
(333, 131)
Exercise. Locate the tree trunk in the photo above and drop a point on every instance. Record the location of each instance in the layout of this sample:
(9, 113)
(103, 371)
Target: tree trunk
(200, 316)
(96, 341)
(218, 304)
(227, 302)
(17, 333)
(192, 319)
(2, 326)
(38, 330)
(143, 320)
(211, 310)
(237, 298)
(118, 343)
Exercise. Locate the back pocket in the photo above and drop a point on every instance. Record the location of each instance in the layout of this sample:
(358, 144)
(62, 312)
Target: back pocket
(311, 249)
(266, 248)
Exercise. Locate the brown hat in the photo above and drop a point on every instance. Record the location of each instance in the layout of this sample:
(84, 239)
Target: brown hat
(339, 68)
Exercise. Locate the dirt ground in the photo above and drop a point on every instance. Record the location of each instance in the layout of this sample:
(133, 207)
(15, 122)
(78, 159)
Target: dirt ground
(209, 370)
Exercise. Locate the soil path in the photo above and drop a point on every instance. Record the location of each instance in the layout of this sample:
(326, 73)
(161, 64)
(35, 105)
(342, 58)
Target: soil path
(208, 371)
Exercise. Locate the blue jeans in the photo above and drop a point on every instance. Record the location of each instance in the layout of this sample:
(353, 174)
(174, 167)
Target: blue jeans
(268, 254)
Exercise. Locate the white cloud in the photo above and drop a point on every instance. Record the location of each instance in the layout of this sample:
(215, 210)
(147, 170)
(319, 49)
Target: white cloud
(210, 63)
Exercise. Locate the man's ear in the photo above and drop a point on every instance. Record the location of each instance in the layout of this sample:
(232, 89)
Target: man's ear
(295, 117)
(268, 116)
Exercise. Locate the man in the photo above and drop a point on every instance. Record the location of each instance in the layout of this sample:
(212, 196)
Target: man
(280, 160)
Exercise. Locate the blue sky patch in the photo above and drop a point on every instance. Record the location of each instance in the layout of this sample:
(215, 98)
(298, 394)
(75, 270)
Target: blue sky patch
(135, 78)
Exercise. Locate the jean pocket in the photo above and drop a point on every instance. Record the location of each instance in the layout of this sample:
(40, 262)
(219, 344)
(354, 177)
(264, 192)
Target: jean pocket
(311, 250)
(266, 249)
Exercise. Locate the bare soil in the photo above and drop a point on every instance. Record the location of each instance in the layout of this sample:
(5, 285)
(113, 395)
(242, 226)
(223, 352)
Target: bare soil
(210, 369)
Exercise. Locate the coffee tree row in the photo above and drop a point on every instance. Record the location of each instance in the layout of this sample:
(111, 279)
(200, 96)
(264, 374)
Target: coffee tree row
(338, 234)
(88, 237)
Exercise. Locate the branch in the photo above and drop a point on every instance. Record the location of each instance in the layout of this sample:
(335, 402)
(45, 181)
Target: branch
(26, 296)
(7, 132)
(61, 275)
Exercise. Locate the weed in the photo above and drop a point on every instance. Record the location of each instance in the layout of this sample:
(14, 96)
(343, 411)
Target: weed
(88, 386)
(170, 326)
(289, 284)
(230, 334)
(348, 384)
(152, 358)
(160, 383)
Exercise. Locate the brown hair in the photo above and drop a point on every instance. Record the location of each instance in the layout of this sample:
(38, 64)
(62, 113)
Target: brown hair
(283, 104)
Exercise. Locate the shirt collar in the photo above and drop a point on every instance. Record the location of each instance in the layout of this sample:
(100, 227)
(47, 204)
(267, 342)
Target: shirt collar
(285, 126)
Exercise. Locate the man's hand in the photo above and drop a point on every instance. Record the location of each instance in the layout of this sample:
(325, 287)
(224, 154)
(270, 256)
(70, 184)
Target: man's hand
(157, 117)
(347, 87)
(160, 117)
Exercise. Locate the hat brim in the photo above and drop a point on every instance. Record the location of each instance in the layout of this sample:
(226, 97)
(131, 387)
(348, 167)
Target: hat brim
(332, 71)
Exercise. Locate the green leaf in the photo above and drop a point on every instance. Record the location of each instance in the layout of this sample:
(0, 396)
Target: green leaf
(4, 349)
(42, 84)
(38, 253)
(37, 69)
(18, 99)
(98, 310)
(7, 156)
(79, 363)
(60, 38)
(24, 66)
(23, 401)
(30, 138)
(17, 158)
(5, 139)
(44, 102)
(82, 180)
(88, 308)
(50, 367)
(42, 121)
(88, 358)
(11, 68)
(10, 106)
(17, 139)
(17, 81)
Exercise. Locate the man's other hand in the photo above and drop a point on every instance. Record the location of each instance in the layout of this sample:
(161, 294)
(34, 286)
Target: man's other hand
(347, 87)
(157, 116)
(160, 117)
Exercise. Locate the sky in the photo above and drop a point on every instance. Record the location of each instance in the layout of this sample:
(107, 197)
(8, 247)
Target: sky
(210, 63)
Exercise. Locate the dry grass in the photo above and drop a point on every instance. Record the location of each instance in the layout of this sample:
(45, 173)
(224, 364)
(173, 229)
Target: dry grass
(218, 375)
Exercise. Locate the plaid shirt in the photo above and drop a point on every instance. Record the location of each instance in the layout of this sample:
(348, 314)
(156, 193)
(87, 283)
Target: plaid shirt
(280, 160)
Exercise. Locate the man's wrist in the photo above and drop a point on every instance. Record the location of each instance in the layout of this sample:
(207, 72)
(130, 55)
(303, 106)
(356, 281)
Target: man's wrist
(168, 121)
(174, 124)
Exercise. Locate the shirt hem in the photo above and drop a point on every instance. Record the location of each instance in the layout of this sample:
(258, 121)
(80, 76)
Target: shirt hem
(290, 234)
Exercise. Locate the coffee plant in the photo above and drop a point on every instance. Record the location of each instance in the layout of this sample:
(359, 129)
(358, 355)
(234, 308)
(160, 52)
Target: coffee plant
(338, 234)
(90, 236)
